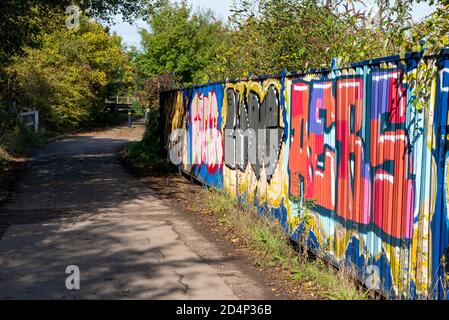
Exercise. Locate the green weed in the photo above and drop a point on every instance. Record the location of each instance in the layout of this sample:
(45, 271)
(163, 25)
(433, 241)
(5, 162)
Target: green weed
(266, 237)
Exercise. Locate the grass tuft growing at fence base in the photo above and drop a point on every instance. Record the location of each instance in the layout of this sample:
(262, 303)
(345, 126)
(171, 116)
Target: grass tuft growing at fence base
(267, 238)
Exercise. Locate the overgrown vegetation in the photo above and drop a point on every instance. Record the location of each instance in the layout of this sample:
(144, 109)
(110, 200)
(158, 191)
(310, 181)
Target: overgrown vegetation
(137, 110)
(13, 146)
(64, 73)
(69, 76)
(271, 243)
(67, 73)
(144, 155)
(267, 36)
(180, 42)
(147, 154)
(21, 141)
(25, 21)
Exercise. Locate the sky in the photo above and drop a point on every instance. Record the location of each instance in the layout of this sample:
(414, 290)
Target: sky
(131, 37)
(130, 33)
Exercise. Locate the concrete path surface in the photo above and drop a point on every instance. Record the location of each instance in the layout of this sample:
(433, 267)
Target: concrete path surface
(75, 205)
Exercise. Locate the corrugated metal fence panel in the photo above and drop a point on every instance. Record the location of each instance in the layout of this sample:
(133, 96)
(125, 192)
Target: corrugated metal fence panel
(367, 143)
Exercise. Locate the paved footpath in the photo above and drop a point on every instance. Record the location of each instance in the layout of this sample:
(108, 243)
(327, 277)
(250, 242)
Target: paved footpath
(74, 204)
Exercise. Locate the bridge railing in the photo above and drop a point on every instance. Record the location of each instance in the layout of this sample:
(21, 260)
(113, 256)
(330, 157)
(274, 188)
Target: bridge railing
(121, 100)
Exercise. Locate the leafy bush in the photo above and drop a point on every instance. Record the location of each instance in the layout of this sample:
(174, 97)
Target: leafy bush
(148, 154)
(68, 77)
(180, 42)
(137, 109)
(151, 87)
(20, 141)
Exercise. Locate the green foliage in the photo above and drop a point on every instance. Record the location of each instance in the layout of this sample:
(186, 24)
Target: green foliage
(148, 89)
(180, 42)
(332, 284)
(434, 31)
(64, 73)
(265, 237)
(137, 109)
(220, 203)
(8, 117)
(270, 35)
(106, 9)
(20, 141)
(68, 76)
(147, 154)
(267, 36)
(23, 22)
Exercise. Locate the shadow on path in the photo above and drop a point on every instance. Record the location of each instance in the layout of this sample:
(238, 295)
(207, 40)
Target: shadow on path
(74, 204)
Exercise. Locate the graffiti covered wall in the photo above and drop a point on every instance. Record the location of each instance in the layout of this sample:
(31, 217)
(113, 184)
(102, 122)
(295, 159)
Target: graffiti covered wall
(366, 143)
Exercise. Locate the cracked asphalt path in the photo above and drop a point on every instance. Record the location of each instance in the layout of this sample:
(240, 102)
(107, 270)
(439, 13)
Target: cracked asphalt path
(74, 204)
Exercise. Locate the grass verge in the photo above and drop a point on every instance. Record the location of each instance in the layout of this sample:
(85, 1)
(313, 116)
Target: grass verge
(14, 145)
(145, 156)
(265, 238)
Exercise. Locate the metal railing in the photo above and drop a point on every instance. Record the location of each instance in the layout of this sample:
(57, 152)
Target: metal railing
(121, 100)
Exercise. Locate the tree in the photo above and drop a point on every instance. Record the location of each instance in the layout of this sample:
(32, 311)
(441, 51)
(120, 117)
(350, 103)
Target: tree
(22, 22)
(180, 43)
(433, 31)
(270, 35)
(68, 77)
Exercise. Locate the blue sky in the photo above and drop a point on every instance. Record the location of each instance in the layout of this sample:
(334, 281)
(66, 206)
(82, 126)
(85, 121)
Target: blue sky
(130, 33)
